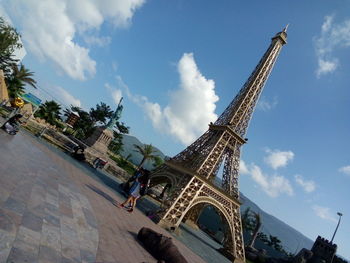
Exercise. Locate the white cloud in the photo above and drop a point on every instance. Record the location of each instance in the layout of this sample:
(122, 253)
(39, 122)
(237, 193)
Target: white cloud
(277, 158)
(325, 66)
(332, 37)
(266, 105)
(66, 97)
(308, 185)
(345, 170)
(115, 93)
(243, 169)
(191, 107)
(50, 28)
(273, 185)
(324, 213)
(114, 66)
(97, 41)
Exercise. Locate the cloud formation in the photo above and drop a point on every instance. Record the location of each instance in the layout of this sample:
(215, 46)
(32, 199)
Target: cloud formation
(324, 213)
(243, 169)
(308, 185)
(345, 170)
(50, 28)
(277, 158)
(116, 94)
(191, 107)
(332, 36)
(266, 105)
(272, 185)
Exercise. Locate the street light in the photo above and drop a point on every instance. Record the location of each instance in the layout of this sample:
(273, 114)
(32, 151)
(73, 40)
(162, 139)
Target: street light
(340, 215)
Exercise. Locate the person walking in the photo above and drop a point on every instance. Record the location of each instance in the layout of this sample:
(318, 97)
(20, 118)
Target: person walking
(138, 189)
(126, 186)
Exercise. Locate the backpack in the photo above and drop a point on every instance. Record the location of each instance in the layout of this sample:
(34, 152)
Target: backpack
(160, 247)
(144, 187)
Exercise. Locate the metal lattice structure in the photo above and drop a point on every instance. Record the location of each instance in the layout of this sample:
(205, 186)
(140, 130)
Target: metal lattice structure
(192, 171)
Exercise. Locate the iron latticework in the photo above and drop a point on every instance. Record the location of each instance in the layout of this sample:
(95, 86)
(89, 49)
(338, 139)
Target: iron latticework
(192, 171)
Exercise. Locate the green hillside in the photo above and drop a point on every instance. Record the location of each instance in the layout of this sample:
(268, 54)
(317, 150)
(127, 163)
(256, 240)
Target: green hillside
(135, 158)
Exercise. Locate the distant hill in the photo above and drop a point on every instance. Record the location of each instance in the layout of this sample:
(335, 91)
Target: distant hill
(292, 240)
(129, 148)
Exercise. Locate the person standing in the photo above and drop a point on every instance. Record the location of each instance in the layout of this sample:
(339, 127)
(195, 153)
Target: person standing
(138, 189)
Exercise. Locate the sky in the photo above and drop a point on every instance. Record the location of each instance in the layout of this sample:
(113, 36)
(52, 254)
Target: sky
(179, 63)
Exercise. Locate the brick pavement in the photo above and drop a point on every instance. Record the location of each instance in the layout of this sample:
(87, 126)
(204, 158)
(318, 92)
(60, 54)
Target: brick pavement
(51, 211)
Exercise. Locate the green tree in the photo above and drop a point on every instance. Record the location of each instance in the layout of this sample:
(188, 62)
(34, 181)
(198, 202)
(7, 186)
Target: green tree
(123, 128)
(247, 221)
(84, 126)
(147, 151)
(263, 237)
(275, 243)
(257, 225)
(116, 145)
(9, 42)
(19, 77)
(49, 111)
(157, 161)
(101, 113)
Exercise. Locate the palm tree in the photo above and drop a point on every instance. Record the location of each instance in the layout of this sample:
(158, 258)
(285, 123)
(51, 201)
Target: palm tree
(146, 151)
(49, 111)
(18, 79)
(246, 219)
(258, 223)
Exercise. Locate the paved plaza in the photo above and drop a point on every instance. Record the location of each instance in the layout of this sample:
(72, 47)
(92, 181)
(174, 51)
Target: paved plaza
(51, 211)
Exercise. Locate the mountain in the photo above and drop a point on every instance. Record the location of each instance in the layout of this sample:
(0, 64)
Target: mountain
(129, 149)
(292, 240)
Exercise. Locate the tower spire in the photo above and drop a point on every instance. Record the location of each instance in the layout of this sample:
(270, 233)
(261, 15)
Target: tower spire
(238, 114)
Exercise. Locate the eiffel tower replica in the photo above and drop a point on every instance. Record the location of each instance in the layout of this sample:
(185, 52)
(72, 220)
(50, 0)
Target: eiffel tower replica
(192, 172)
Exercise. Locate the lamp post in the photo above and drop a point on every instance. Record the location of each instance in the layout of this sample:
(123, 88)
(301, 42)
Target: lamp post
(340, 215)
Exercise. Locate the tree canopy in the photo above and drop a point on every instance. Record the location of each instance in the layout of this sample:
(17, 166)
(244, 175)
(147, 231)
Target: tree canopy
(84, 126)
(19, 77)
(50, 112)
(88, 121)
(147, 151)
(101, 113)
(9, 42)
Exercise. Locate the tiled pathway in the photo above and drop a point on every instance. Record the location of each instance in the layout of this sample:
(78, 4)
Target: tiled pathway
(50, 211)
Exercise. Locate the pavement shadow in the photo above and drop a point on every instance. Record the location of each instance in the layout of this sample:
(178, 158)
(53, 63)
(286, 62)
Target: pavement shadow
(101, 193)
(198, 237)
(144, 204)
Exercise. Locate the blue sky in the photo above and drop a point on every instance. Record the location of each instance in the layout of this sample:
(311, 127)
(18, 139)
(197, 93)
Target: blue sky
(179, 63)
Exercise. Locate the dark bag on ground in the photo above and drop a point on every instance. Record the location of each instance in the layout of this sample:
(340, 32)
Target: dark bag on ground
(161, 247)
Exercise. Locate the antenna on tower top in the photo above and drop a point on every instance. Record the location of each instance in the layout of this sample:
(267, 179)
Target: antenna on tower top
(285, 29)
